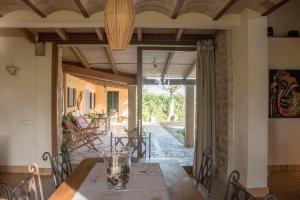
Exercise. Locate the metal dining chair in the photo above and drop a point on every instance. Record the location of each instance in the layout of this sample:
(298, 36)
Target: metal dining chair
(234, 190)
(29, 188)
(206, 169)
(60, 164)
(270, 197)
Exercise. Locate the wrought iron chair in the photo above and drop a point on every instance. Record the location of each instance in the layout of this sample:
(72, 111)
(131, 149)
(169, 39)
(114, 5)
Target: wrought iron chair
(5, 191)
(270, 197)
(140, 145)
(234, 190)
(60, 164)
(29, 188)
(207, 170)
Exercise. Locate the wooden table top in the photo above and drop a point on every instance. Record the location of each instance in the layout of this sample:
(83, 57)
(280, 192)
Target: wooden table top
(179, 184)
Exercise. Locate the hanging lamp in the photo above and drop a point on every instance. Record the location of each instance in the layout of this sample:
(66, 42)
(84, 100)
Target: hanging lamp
(119, 18)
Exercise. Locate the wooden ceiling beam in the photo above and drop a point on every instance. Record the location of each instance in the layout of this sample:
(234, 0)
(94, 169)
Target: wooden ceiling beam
(76, 51)
(179, 34)
(139, 34)
(275, 7)
(29, 35)
(177, 9)
(34, 8)
(111, 59)
(190, 70)
(148, 39)
(90, 73)
(225, 9)
(82, 8)
(104, 83)
(61, 33)
(99, 34)
(169, 82)
(167, 65)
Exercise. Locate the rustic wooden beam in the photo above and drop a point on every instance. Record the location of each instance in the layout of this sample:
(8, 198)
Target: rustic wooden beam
(82, 8)
(179, 34)
(80, 56)
(190, 69)
(90, 73)
(61, 33)
(99, 34)
(54, 78)
(34, 8)
(111, 59)
(275, 7)
(167, 65)
(103, 82)
(29, 35)
(79, 64)
(139, 34)
(225, 9)
(148, 39)
(177, 9)
(169, 82)
(140, 90)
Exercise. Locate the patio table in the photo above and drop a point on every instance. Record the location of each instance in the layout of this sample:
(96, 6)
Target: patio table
(170, 182)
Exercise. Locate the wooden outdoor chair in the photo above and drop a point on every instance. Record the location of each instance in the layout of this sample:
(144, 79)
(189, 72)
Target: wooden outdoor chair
(29, 188)
(60, 165)
(80, 137)
(83, 124)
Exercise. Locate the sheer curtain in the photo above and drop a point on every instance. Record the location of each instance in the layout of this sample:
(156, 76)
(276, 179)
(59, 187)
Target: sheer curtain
(205, 100)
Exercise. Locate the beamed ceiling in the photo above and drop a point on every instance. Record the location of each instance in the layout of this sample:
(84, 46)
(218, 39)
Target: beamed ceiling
(86, 52)
(172, 8)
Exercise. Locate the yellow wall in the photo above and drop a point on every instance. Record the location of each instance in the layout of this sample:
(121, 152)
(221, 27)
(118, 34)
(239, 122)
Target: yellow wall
(101, 95)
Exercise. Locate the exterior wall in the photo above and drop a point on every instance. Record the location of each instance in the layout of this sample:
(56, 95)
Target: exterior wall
(101, 95)
(284, 134)
(224, 102)
(25, 103)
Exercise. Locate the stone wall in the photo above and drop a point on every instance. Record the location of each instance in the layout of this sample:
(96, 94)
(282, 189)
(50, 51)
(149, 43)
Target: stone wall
(224, 102)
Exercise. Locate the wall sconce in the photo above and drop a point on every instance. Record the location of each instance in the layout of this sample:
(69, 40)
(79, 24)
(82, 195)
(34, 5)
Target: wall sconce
(12, 70)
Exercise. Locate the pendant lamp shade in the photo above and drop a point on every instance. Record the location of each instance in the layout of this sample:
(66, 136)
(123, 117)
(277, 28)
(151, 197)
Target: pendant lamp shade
(119, 18)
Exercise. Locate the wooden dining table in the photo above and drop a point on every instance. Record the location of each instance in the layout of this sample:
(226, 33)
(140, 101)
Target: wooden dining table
(179, 184)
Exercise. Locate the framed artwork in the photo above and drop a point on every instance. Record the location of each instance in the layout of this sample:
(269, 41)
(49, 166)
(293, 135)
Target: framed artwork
(71, 93)
(284, 93)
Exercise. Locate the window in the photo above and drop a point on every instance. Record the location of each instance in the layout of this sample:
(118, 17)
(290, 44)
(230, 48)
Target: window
(71, 97)
(92, 100)
(112, 101)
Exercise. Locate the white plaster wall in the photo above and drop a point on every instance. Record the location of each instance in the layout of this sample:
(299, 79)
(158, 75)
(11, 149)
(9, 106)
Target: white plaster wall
(284, 134)
(286, 18)
(25, 103)
(250, 100)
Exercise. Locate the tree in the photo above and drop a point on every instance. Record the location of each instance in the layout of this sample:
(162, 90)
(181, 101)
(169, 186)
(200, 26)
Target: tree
(171, 90)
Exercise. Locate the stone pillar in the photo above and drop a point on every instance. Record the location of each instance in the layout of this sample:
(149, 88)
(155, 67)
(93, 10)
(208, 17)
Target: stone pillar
(132, 107)
(251, 100)
(189, 116)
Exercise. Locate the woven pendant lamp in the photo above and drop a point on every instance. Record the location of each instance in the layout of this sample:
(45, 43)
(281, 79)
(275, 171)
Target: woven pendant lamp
(119, 22)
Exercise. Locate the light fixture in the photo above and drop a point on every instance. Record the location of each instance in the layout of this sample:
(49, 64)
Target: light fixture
(12, 70)
(154, 63)
(119, 18)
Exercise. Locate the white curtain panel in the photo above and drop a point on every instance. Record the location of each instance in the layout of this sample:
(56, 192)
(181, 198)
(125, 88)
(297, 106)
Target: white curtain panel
(205, 102)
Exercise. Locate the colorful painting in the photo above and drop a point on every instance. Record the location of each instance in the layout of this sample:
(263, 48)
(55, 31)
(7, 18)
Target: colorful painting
(284, 95)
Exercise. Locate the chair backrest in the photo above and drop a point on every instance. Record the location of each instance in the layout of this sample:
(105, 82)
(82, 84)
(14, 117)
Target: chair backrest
(4, 191)
(206, 171)
(234, 190)
(270, 197)
(29, 188)
(60, 164)
(80, 120)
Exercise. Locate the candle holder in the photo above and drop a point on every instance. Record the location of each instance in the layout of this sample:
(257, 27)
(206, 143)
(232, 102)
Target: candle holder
(117, 168)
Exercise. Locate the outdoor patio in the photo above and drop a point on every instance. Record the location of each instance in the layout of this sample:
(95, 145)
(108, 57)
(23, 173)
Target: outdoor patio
(163, 146)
